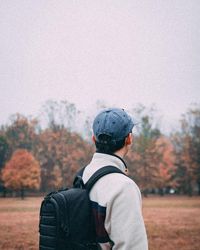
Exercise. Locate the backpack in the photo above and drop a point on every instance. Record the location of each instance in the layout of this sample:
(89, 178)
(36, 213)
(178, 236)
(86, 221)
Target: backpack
(66, 221)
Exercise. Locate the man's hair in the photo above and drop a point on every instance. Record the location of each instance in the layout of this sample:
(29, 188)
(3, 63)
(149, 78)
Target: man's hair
(105, 144)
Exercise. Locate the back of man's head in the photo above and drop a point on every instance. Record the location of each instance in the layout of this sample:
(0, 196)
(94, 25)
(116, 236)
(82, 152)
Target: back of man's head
(111, 127)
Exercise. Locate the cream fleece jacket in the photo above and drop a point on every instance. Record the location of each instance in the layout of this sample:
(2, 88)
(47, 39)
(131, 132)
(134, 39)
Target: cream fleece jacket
(119, 198)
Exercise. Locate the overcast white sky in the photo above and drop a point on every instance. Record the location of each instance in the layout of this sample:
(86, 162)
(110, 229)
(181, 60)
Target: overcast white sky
(121, 51)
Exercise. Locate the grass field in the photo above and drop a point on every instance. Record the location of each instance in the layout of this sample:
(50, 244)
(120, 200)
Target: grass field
(172, 223)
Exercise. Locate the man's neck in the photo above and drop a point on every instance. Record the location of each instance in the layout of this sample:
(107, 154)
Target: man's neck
(121, 153)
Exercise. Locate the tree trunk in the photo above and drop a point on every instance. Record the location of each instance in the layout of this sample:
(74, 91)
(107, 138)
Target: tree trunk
(22, 194)
(161, 192)
(189, 190)
(4, 192)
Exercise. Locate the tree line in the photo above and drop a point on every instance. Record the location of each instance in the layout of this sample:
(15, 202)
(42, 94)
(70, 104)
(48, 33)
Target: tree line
(32, 157)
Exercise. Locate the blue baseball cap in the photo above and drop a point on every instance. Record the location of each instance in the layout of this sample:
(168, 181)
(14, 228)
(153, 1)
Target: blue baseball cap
(115, 123)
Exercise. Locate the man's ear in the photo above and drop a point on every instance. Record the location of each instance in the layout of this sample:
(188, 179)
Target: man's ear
(129, 139)
(93, 139)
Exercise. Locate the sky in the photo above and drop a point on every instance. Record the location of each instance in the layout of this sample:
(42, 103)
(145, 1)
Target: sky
(124, 52)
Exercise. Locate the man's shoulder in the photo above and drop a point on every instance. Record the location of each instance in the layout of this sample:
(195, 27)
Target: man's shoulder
(114, 184)
(118, 181)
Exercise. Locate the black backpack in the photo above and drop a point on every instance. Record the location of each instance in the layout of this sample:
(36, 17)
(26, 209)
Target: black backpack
(66, 221)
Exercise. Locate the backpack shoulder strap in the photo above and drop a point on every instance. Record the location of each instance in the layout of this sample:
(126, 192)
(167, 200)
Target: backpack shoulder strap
(80, 172)
(78, 181)
(100, 173)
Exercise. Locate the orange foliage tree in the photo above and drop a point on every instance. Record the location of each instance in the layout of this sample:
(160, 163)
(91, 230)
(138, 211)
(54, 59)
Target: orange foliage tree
(187, 149)
(21, 172)
(166, 166)
(61, 153)
(144, 158)
(21, 133)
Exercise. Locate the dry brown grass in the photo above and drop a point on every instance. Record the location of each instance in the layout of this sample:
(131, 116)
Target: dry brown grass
(172, 223)
(19, 223)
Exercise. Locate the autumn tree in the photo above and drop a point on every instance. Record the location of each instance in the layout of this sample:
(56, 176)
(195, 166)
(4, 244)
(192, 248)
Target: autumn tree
(4, 150)
(166, 166)
(144, 158)
(22, 172)
(195, 128)
(187, 149)
(184, 168)
(21, 132)
(61, 153)
(4, 155)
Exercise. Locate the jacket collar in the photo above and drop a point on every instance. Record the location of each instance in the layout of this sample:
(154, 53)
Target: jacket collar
(109, 159)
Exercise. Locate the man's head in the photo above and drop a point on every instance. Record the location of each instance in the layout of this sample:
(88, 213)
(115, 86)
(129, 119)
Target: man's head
(112, 130)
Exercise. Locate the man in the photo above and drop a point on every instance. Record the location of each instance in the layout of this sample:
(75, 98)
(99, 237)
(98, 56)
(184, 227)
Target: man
(116, 199)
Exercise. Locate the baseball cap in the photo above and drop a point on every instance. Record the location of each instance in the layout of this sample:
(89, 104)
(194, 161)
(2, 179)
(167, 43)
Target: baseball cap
(115, 123)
